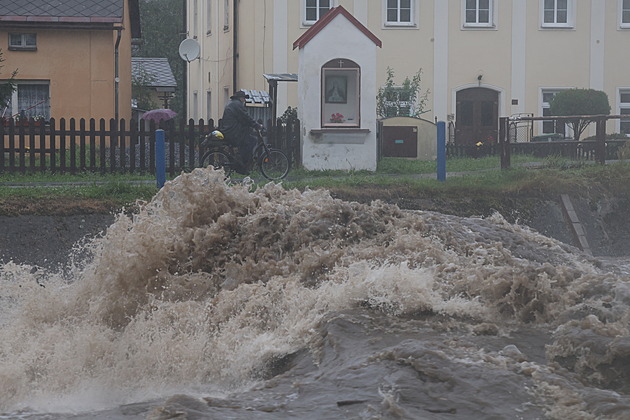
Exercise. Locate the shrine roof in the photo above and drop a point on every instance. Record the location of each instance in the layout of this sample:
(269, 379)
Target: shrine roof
(329, 17)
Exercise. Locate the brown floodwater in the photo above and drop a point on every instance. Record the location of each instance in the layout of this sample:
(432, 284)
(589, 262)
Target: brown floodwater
(217, 301)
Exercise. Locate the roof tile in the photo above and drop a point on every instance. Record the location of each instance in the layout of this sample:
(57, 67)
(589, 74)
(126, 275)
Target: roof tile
(66, 9)
(159, 68)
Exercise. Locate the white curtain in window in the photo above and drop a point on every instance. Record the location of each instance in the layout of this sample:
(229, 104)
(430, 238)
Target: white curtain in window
(33, 99)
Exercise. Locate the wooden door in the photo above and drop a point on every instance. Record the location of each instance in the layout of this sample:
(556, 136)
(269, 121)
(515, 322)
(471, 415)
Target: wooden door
(477, 116)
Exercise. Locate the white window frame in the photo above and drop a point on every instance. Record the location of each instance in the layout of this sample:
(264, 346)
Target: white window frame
(622, 24)
(546, 105)
(491, 16)
(226, 95)
(569, 24)
(209, 17)
(398, 23)
(623, 106)
(208, 105)
(22, 46)
(195, 18)
(195, 105)
(306, 22)
(226, 15)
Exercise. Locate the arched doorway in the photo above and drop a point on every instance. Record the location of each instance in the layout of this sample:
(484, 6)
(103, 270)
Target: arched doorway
(477, 116)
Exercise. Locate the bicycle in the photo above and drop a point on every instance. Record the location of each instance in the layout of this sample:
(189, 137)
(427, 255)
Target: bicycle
(272, 163)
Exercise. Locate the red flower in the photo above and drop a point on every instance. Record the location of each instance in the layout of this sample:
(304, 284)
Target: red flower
(336, 118)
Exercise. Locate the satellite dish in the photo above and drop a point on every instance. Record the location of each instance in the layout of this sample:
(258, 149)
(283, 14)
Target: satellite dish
(189, 49)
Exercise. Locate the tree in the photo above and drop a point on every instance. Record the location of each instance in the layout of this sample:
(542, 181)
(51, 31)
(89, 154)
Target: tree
(289, 117)
(581, 103)
(401, 100)
(162, 31)
(7, 87)
(141, 89)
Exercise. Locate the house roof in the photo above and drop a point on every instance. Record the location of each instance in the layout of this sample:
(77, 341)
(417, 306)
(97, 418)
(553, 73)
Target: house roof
(281, 77)
(257, 97)
(326, 19)
(158, 68)
(91, 14)
(84, 11)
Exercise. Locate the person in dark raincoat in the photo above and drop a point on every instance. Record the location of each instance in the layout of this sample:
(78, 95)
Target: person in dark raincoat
(236, 125)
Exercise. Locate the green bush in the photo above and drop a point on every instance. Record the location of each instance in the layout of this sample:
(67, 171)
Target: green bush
(580, 102)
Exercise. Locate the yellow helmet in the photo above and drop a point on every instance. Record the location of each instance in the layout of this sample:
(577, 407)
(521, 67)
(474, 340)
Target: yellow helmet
(217, 135)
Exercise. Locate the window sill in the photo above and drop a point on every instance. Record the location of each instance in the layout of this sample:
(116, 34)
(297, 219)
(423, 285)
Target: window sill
(558, 26)
(469, 27)
(22, 48)
(344, 125)
(337, 135)
(401, 25)
(340, 130)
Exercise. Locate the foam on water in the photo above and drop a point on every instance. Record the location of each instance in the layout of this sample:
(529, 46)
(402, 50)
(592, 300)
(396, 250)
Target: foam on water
(210, 283)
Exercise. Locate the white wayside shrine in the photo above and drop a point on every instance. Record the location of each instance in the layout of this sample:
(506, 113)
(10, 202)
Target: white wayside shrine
(337, 93)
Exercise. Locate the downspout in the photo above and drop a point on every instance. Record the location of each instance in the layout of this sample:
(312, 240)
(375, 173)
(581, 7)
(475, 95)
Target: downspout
(235, 47)
(117, 77)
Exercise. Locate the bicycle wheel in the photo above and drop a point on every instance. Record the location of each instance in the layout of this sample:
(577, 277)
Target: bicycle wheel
(218, 160)
(274, 164)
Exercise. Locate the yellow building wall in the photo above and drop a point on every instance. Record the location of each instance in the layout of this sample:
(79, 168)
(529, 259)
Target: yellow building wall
(80, 67)
(550, 57)
(479, 52)
(417, 54)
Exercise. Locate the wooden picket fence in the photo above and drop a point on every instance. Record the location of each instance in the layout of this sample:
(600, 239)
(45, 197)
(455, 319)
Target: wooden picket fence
(75, 146)
(71, 146)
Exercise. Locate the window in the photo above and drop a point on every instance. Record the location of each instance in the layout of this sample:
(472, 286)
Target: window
(209, 17)
(195, 18)
(550, 126)
(340, 94)
(397, 103)
(226, 94)
(195, 105)
(30, 99)
(23, 42)
(624, 109)
(624, 13)
(226, 15)
(399, 13)
(557, 13)
(478, 13)
(315, 9)
(208, 105)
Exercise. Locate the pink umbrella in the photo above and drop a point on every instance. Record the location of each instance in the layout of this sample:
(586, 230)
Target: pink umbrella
(159, 114)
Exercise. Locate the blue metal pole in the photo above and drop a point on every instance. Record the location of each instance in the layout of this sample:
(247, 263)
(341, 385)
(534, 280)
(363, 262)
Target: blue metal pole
(160, 158)
(441, 151)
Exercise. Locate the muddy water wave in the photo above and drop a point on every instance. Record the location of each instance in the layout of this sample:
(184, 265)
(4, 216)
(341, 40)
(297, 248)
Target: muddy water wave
(216, 301)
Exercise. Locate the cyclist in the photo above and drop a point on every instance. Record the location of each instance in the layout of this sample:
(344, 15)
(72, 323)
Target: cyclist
(236, 125)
